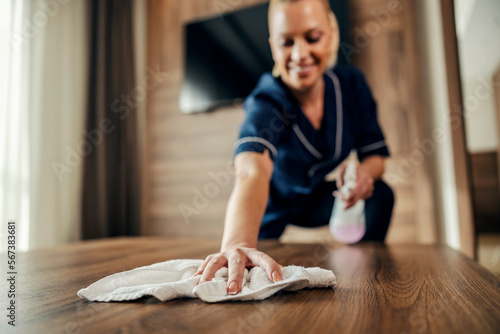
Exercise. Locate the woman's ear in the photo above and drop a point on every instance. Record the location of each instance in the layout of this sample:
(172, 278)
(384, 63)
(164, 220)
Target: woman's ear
(334, 40)
(270, 44)
(276, 72)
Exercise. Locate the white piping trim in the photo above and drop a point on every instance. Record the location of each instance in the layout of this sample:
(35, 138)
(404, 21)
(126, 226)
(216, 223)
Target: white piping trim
(306, 143)
(371, 147)
(317, 166)
(262, 141)
(340, 111)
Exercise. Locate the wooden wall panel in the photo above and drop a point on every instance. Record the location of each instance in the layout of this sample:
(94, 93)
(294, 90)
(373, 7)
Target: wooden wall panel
(383, 33)
(184, 149)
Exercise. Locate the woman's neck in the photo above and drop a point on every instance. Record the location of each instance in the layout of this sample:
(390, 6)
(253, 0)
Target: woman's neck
(311, 102)
(311, 96)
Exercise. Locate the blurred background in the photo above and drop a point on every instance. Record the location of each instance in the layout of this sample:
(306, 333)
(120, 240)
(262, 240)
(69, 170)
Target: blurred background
(118, 117)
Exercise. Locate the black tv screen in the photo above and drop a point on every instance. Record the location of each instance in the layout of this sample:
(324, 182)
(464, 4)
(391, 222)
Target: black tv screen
(225, 56)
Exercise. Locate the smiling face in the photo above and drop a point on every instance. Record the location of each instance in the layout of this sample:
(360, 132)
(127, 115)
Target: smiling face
(302, 39)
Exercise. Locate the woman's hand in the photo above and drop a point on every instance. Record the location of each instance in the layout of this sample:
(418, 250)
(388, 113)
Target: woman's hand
(237, 259)
(363, 189)
(370, 169)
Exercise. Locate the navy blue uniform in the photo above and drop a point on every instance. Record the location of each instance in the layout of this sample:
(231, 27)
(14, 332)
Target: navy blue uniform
(303, 155)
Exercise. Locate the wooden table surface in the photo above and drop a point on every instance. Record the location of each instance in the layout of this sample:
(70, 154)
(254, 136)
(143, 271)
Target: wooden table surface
(381, 289)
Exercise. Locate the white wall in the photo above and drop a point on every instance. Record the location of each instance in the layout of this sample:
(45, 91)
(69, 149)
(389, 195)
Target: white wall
(480, 114)
(479, 53)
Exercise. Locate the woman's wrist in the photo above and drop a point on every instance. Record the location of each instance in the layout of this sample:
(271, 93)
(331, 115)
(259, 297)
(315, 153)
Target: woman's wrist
(372, 166)
(368, 172)
(232, 245)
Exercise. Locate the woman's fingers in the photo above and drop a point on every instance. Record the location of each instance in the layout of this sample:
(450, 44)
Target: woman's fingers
(271, 267)
(202, 266)
(237, 260)
(340, 177)
(215, 263)
(363, 190)
(236, 271)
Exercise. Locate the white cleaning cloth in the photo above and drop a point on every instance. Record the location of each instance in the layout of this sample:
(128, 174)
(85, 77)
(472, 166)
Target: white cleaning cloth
(173, 279)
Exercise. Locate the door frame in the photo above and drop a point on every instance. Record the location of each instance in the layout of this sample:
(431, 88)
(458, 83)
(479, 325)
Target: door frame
(461, 159)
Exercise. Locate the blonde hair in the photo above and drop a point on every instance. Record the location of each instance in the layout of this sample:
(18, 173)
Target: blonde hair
(331, 18)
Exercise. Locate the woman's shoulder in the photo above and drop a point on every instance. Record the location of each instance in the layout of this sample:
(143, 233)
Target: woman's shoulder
(348, 75)
(269, 91)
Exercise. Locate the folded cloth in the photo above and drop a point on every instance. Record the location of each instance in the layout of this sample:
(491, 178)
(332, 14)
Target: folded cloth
(174, 279)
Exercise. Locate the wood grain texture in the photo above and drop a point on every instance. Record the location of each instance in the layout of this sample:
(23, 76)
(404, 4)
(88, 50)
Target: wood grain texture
(381, 289)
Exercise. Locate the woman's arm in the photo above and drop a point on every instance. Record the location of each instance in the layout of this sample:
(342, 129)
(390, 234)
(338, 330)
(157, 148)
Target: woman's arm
(373, 166)
(248, 200)
(244, 213)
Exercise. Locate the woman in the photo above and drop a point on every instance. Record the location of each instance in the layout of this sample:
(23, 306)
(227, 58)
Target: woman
(301, 123)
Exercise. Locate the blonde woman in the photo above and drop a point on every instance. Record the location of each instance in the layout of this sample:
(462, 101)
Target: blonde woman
(302, 121)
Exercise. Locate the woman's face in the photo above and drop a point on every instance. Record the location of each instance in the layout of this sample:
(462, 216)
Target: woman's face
(301, 38)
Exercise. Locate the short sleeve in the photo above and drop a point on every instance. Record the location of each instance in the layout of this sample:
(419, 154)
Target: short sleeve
(262, 128)
(369, 139)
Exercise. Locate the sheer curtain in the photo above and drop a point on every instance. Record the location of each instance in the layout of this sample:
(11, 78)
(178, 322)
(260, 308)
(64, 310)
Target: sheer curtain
(43, 66)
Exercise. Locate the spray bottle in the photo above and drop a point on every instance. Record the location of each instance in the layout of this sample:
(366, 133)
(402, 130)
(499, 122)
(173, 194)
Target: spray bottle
(348, 226)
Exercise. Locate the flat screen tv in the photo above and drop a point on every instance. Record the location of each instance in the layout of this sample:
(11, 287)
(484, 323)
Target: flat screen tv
(226, 54)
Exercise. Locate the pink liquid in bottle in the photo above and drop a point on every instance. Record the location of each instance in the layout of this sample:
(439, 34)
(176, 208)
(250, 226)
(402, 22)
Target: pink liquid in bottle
(348, 226)
(348, 234)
